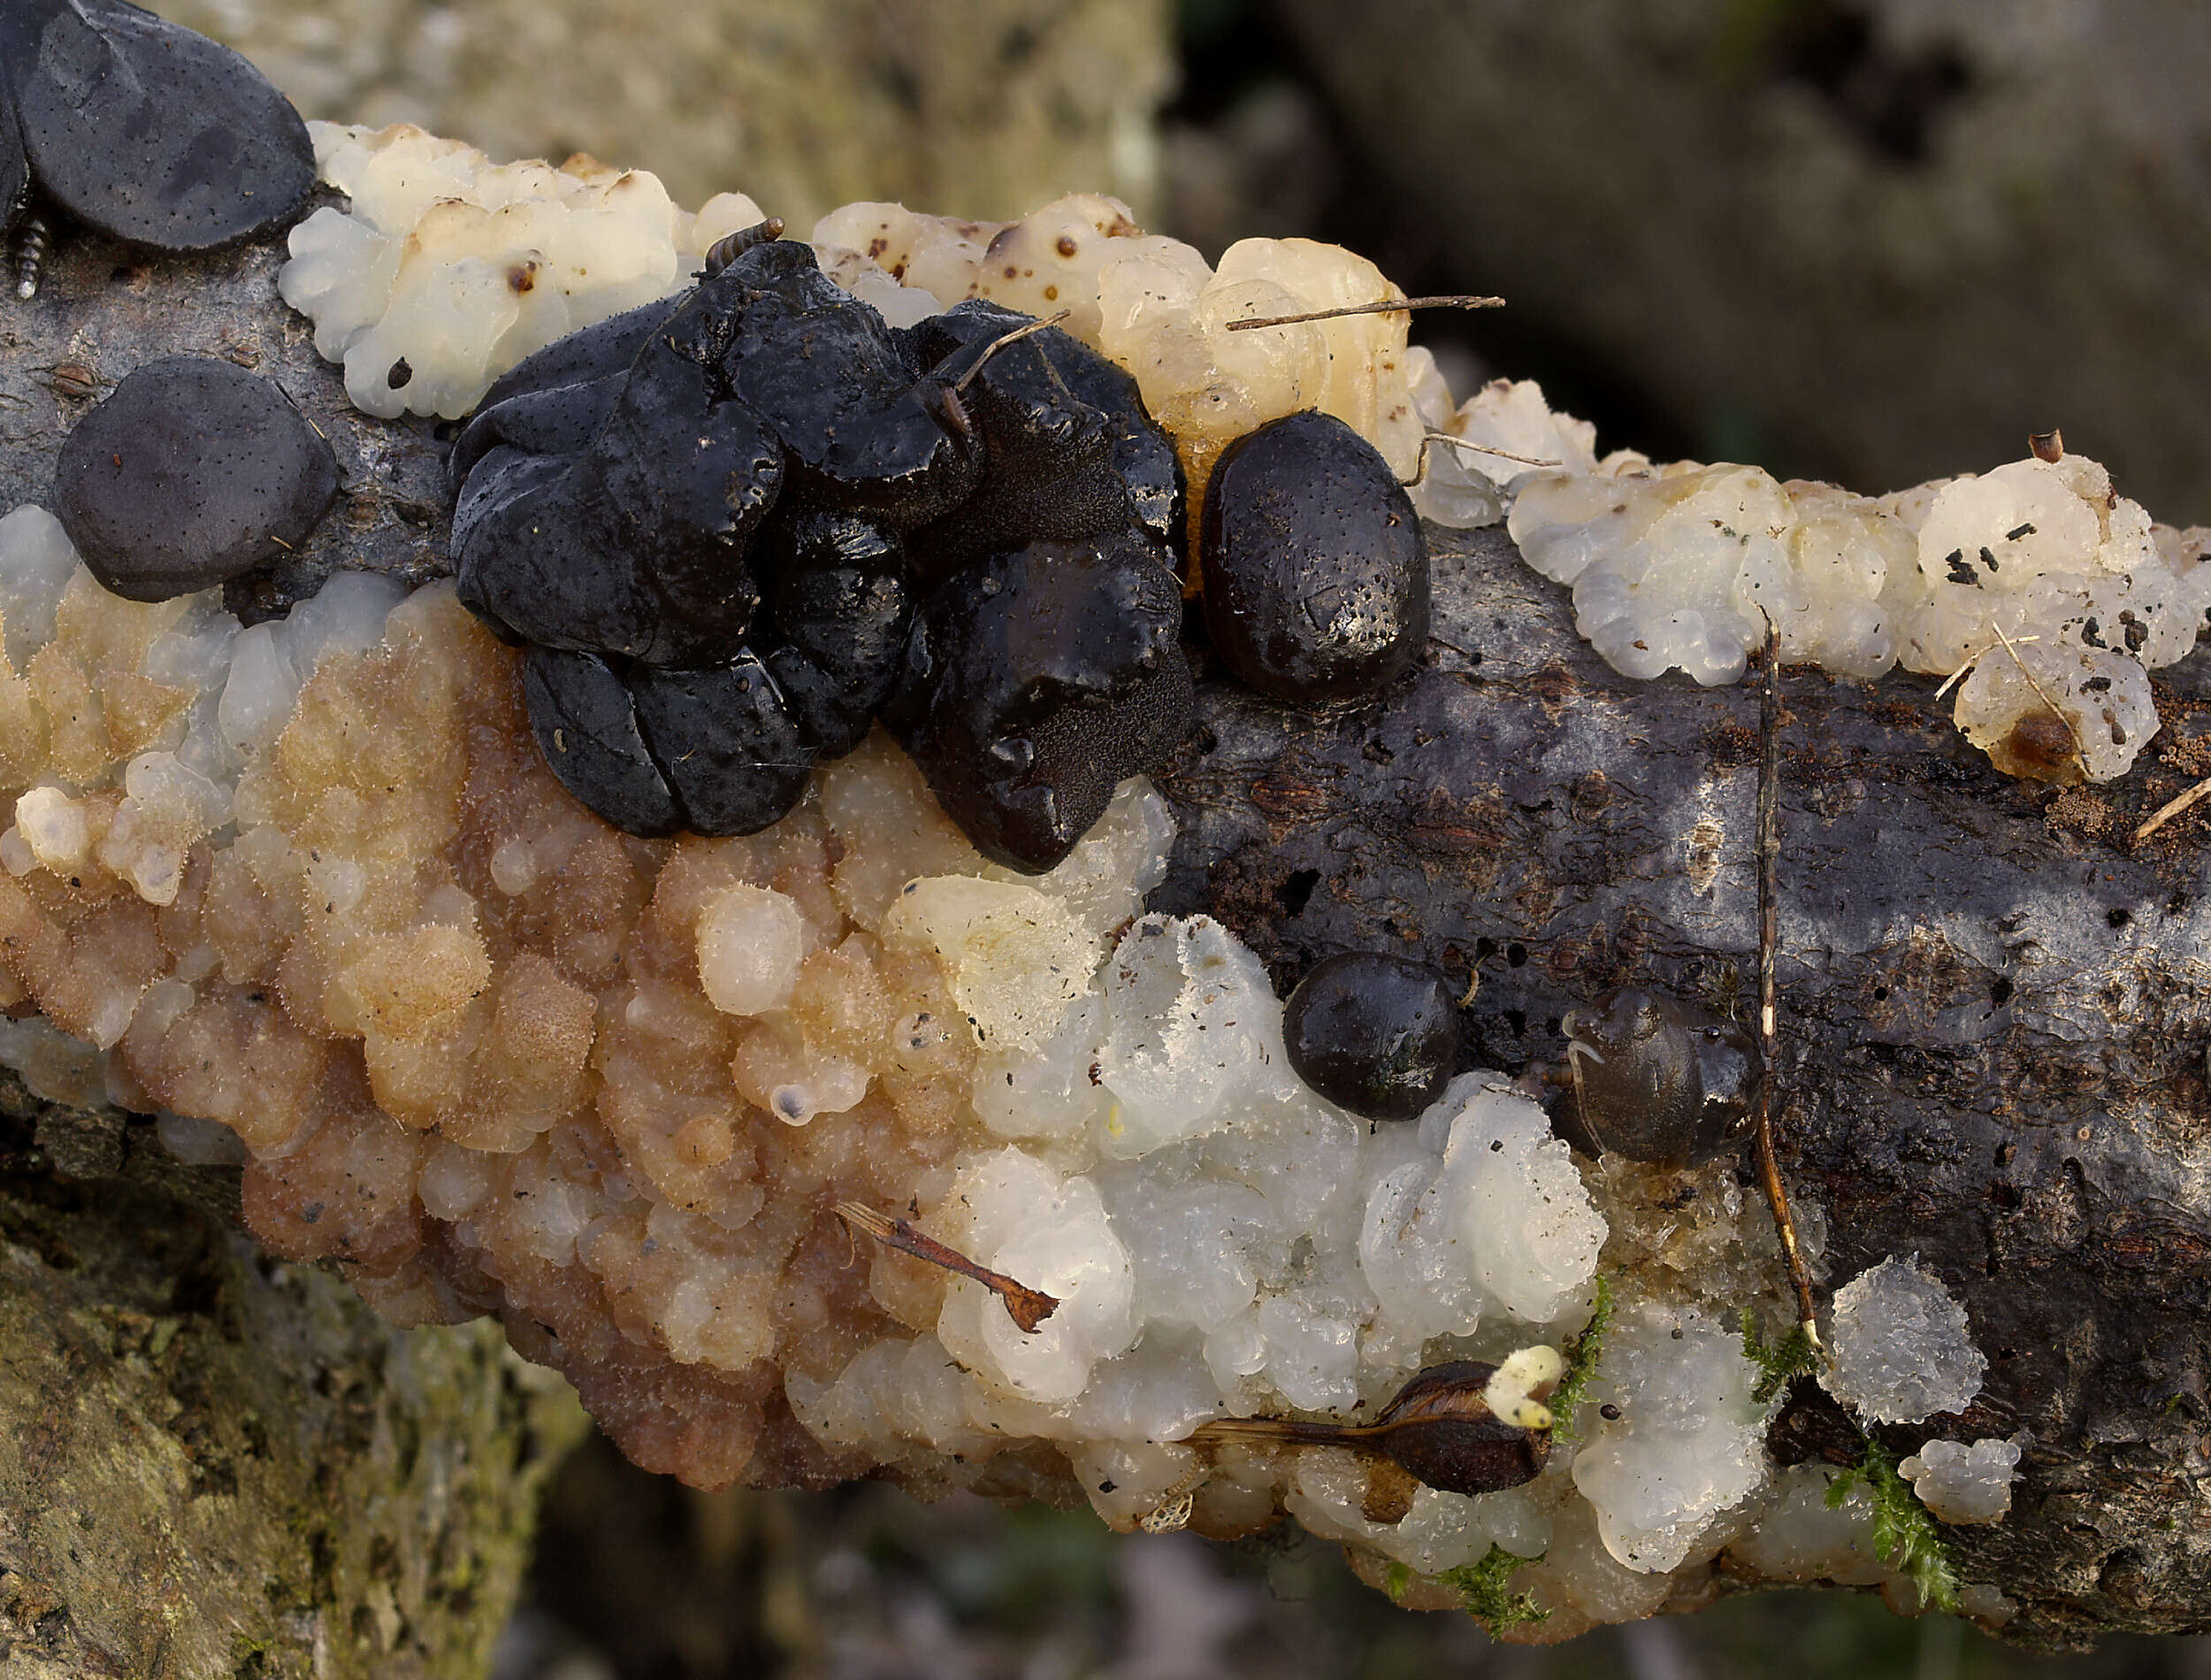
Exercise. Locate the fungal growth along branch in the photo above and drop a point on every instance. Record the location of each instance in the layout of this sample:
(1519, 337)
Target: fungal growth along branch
(321, 887)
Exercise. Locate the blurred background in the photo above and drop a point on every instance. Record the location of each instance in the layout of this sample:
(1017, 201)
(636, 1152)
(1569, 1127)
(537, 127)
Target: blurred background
(1870, 240)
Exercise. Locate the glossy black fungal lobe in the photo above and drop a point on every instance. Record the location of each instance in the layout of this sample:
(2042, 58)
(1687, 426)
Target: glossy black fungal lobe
(191, 472)
(143, 131)
(1035, 681)
(735, 527)
(1373, 1032)
(1055, 461)
(1315, 571)
(586, 722)
(636, 543)
(865, 433)
(1657, 1080)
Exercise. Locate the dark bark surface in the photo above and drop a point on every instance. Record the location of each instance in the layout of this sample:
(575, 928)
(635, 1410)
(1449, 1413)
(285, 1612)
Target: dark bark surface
(1995, 1006)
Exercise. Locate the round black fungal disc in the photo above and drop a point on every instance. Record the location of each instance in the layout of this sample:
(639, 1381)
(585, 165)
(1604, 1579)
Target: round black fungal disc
(1049, 470)
(1656, 1078)
(1035, 681)
(1315, 571)
(191, 472)
(724, 739)
(1373, 1032)
(586, 727)
(146, 132)
(863, 434)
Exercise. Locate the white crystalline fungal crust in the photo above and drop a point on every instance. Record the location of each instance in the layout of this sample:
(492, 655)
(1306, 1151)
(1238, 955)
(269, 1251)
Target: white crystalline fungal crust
(1961, 1484)
(457, 267)
(2049, 590)
(1111, 1118)
(1903, 1349)
(1688, 1443)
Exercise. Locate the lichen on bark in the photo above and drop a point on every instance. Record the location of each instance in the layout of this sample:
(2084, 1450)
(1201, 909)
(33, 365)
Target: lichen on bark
(216, 1465)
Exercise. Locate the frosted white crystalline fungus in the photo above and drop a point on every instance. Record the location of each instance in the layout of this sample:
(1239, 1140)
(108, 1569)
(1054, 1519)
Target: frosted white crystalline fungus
(1689, 1439)
(1961, 1484)
(1903, 1349)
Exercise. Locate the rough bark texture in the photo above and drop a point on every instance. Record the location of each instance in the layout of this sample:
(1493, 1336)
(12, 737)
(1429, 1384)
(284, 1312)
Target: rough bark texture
(1994, 1009)
(213, 1465)
(1995, 1012)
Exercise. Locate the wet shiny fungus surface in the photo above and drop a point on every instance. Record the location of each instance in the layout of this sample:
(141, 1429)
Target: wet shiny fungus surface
(726, 525)
(1373, 1032)
(143, 130)
(191, 472)
(1656, 1078)
(1037, 680)
(1315, 570)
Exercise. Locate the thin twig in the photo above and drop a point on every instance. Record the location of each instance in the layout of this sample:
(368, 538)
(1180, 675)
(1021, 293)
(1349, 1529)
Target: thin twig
(1000, 342)
(2171, 808)
(1768, 963)
(1484, 449)
(1385, 306)
(1028, 1308)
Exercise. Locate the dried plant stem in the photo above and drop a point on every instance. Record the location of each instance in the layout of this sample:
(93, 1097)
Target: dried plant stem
(1028, 1308)
(1383, 306)
(2171, 808)
(1768, 842)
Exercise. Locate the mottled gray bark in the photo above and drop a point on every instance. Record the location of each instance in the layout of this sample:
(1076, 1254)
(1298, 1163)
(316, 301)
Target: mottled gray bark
(1994, 1018)
(1994, 1007)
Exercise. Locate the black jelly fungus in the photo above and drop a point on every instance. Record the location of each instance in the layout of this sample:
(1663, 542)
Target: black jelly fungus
(1315, 573)
(586, 722)
(191, 472)
(1373, 1033)
(726, 743)
(1052, 470)
(864, 433)
(838, 605)
(711, 522)
(146, 132)
(1035, 681)
(1658, 1080)
(635, 544)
